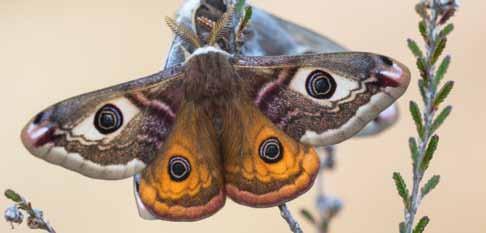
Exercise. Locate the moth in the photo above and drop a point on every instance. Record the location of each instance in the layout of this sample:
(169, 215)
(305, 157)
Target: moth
(218, 124)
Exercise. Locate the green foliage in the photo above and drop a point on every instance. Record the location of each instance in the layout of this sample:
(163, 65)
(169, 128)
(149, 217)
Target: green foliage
(12, 195)
(421, 9)
(430, 185)
(412, 143)
(246, 17)
(447, 30)
(429, 153)
(412, 45)
(439, 48)
(239, 6)
(442, 70)
(421, 65)
(439, 120)
(417, 118)
(423, 90)
(401, 188)
(423, 30)
(421, 225)
(402, 227)
(443, 93)
(324, 226)
(308, 215)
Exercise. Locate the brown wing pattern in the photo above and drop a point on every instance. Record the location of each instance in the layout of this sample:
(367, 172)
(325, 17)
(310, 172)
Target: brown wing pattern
(185, 181)
(142, 113)
(263, 166)
(323, 99)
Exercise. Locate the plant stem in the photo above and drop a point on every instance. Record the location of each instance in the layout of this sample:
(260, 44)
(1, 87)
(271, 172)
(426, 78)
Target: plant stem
(428, 118)
(293, 224)
(35, 218)
(436, 9)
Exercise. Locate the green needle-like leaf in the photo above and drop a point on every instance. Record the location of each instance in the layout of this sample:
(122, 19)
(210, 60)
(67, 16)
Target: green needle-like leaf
(421, 9)
(239, 6)
(402, 227)
(415, 48)
(421, 225)
(324, 226)
(421, 65)
(12, 195)
(308, 215)
(247, 17)
(423, 31)
(430, 185)
(440, 119)
(446, 31)
(439, 48)
(401, 188)
(417, 118)
(412, 143)
(423, 90)
(443, 93)
(442, 70)
(429, 153)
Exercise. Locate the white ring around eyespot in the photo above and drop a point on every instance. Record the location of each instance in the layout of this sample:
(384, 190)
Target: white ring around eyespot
(346, 88)
(86, 128)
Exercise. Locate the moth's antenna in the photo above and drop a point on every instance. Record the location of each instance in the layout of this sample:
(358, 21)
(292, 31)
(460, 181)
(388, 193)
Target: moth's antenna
(184, 32)
(221, 25)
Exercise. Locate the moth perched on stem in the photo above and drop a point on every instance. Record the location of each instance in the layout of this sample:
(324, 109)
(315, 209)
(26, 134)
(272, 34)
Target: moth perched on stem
(218, 123)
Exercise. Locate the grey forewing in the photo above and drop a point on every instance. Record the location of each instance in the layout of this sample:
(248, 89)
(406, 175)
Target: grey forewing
(142, 136)
(346, 63)
(69, 109)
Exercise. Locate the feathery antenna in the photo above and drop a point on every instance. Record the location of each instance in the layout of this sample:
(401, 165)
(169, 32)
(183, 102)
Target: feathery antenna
(184, 32)
(221, 26)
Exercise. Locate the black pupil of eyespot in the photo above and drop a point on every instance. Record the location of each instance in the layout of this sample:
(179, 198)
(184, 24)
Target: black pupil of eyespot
(320, 85)
(108, 119)
(179, 168)
(271, 150)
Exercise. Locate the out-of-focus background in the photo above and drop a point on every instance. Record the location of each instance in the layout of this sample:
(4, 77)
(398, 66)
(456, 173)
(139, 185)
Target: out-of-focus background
(54, 49)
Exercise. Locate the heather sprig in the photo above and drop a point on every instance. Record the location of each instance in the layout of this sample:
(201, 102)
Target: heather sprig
(435, 28)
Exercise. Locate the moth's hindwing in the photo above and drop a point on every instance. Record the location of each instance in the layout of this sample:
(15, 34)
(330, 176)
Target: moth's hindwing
(107, 134)
(185, 181)
(323, 99)
(263, 166)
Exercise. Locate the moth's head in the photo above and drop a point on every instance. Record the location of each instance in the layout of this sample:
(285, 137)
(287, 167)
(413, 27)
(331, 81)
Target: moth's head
(209, 50)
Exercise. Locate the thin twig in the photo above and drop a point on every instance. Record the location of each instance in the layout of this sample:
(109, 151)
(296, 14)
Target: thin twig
(293, 224)
(327, 207)
(35, 219)
(428, 117)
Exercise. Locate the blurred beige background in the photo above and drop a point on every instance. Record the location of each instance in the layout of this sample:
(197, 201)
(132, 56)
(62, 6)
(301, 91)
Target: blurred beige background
(54, 49)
